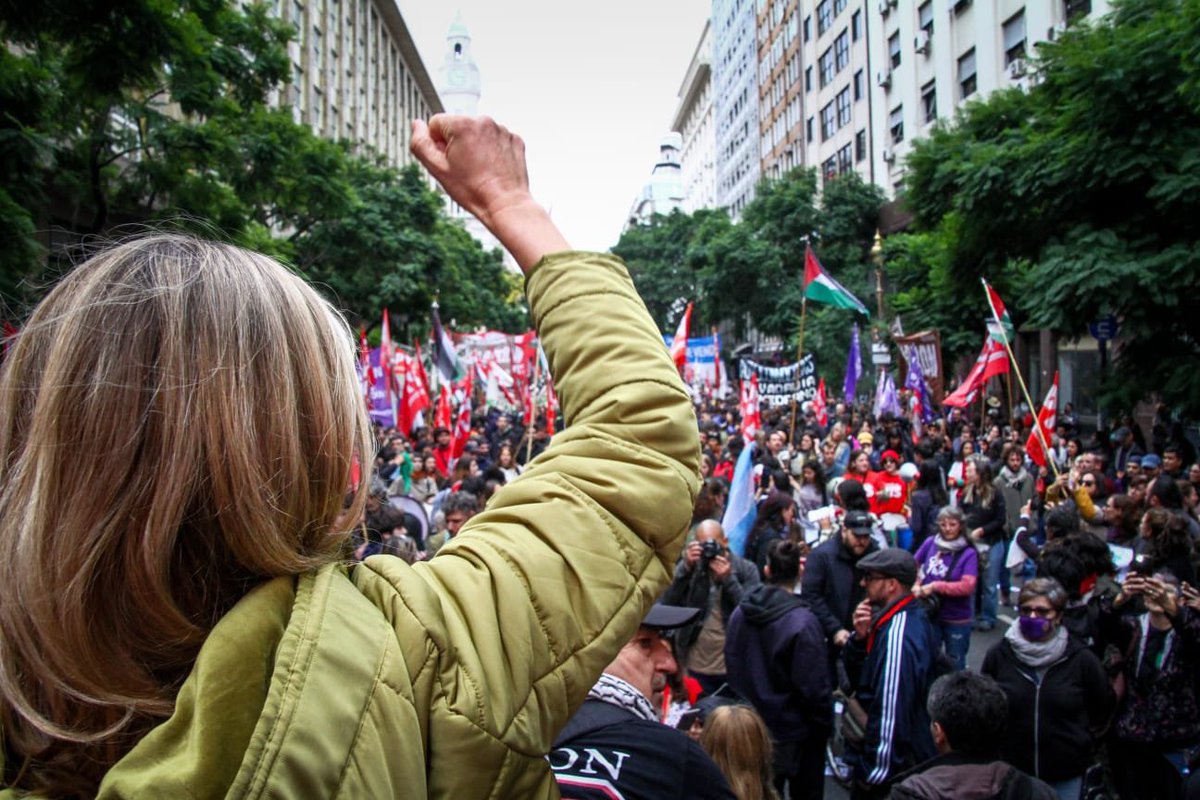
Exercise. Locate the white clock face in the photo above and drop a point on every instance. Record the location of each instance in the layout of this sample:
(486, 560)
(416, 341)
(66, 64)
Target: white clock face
(458, 77)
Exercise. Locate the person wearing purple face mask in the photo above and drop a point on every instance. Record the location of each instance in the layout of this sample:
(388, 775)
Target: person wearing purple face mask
(1057, 691)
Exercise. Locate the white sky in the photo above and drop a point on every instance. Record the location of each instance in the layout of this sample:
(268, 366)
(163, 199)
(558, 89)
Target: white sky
(590, 86)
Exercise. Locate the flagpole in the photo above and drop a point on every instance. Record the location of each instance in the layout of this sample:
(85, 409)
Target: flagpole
(1041, 435)
(799, 357)
(537, 372)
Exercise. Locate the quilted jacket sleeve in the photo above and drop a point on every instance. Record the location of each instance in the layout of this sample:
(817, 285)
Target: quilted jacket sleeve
(534, 597)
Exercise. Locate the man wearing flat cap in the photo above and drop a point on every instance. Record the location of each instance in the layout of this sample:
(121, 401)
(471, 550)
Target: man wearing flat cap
(615, 745)
(890, 659)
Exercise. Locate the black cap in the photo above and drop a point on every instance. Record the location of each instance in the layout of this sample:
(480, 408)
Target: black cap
(859, 522)
(663, 617)
(891, 562)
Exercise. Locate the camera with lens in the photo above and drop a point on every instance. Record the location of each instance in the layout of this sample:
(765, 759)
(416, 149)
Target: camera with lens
(710, 550)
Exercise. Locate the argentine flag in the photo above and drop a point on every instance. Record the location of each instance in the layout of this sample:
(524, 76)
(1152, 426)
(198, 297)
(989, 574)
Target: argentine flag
(741, 510)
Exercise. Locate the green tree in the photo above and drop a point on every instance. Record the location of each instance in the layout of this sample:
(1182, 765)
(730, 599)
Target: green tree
(1078, 198)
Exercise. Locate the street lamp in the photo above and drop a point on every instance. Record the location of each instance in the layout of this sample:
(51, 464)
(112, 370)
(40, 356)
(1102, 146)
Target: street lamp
(877, 257)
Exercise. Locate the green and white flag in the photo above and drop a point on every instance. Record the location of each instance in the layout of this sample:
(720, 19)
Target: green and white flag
(821, 288)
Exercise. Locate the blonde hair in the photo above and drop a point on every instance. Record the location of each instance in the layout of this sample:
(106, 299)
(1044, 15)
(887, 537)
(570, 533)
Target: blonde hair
(738, 741)
(178, 422)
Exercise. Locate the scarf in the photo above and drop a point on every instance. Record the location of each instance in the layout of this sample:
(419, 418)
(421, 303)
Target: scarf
(1037, 654)
(614, 691)
(950, 545)
(1013, 479)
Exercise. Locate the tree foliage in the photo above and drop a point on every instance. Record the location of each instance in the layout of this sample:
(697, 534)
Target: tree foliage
(144, 111)
(1079, 197)
(751, 272)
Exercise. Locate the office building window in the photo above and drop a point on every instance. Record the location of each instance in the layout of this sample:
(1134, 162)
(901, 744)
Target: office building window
(828, 121)
(1014, 38)
(856, 26)
(860, 145)
(843, 107)
(841, 51)
(925, 17)
(826, 66)
(1073, 9)
(808, 79)
(859, 80)
(896, 124)
(824, 16)
(894, 49)
(929, 101)
(807, 28)
(966, 74)
(829, 168)
(838, 6)
(808, 129)
(845, 159)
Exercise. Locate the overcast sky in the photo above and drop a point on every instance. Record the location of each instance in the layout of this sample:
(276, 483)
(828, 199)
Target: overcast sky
(591, 87)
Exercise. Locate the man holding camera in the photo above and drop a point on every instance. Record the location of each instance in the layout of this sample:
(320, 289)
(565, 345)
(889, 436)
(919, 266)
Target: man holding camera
(713, 579)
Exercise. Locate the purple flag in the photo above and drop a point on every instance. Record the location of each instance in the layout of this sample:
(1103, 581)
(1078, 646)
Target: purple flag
(853, 368)
(916, 382)
(885, 397)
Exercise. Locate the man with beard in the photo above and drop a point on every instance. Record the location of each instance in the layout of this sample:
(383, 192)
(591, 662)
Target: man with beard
(615, 745)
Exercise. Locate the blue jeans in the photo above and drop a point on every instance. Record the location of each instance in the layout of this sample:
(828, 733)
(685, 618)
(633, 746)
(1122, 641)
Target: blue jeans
(956, 640)
(991, 579)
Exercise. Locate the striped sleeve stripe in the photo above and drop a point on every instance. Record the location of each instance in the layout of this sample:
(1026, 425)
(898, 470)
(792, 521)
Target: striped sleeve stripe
(891, 691)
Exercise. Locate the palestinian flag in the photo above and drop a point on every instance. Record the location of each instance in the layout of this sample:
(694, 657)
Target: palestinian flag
(821, 288)
(1000, 326)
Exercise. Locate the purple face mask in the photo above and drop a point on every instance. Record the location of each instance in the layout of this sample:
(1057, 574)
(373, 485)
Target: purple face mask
(1035, 629)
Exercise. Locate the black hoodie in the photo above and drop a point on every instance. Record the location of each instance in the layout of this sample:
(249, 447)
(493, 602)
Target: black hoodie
(776, 657)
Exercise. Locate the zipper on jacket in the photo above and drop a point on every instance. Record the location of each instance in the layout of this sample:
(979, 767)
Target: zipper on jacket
(1037, 713)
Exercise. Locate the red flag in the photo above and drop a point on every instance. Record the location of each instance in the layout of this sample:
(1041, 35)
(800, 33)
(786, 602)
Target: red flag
(462, 427)
(992, 361)
(819, 407)
(1046, 421)
(443, 417)
(415, 395)
(679, 343)
(751, 416)
(385, 357)
(551, 407)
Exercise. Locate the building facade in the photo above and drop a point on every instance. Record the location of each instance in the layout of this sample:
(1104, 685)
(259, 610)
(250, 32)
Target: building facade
(459, 85)
(356, 74)
(693, 121)
(663, 193)
(735, 104)
(932, 56)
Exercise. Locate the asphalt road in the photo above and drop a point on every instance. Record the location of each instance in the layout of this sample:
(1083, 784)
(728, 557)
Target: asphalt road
(981, 642)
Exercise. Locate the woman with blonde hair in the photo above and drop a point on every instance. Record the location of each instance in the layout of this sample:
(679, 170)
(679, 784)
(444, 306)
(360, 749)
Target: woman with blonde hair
(179, 423)
(737, 740)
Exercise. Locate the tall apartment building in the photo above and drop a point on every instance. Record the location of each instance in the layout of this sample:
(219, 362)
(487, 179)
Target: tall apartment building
(693, 121)
(356, 73)
(735, 105)
(663, 193)
(930, 57)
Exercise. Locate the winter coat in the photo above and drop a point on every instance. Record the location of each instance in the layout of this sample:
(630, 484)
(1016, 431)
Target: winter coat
(923, 520)
(992, 518)
(954, 575)
(1051, 717)
(775, 653)
(955, 776)
(1017, 489)
(450, 678)
(892, 674)
(694, 588)
(830, 585)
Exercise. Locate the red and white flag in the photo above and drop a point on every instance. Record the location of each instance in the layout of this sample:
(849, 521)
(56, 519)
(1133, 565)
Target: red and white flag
(751, 416)
(364, 360)
(819, 407)
(462, 425)
(992, 361)
(1047, 421)
(414, 396)
(679, 343)
(443, 417)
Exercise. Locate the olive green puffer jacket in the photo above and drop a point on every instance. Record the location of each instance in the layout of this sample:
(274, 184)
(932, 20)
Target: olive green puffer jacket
(450, 678)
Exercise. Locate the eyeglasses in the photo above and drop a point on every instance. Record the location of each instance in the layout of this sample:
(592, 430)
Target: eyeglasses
(1036, 611)
(1088, 483)
(873, 578)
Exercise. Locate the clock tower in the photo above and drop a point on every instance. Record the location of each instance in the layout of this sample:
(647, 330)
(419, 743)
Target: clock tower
(459, 79)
